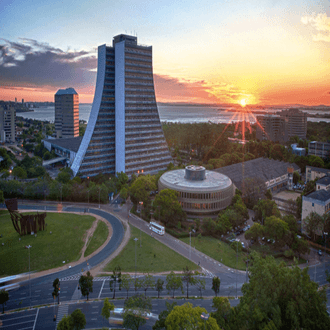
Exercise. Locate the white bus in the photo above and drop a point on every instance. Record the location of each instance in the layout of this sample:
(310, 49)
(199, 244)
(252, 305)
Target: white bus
(157, 228)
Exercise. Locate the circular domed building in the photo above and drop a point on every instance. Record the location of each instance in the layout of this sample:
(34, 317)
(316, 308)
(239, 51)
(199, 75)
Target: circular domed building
(200, 191)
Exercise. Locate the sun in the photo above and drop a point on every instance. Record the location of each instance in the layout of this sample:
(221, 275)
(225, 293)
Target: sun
(243, 103)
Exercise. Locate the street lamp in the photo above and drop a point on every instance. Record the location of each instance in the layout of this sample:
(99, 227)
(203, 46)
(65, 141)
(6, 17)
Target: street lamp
(135, 239)
(190, 246)
(237, 240)
(325, 246)
(29, 247)
(88, 199)
(204, 317)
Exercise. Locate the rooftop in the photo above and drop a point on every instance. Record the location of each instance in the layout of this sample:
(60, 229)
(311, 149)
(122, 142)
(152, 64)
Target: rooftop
(66, 91)
(71, 144)
(324, 181)
(263, 168)
(318, 169)
(213, 181)
(320, 195)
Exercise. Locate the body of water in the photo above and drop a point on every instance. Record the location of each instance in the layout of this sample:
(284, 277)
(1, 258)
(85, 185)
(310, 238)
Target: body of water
(169, 113)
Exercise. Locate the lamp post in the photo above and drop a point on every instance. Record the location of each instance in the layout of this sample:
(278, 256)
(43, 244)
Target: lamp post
(325, 246)
(99, 197)
(237, 240)
(204, 317)
(190, 246)
(88, 199)
(135, 239)
(29, 247)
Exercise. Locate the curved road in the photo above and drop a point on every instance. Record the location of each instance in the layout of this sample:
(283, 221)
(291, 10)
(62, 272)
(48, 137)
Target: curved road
(117, 237)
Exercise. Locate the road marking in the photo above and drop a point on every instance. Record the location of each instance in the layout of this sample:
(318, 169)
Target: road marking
(35, 321)
(95, 306)
(95, 312)
(94, 319)
(101, 289)
(20, 317)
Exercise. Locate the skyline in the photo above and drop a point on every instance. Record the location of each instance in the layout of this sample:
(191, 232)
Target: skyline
(264, 52)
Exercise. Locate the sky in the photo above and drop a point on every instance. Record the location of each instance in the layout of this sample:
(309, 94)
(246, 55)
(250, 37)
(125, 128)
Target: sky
(225, 51)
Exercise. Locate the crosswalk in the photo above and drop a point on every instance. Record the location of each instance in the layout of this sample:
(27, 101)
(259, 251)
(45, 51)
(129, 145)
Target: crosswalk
(63, 310)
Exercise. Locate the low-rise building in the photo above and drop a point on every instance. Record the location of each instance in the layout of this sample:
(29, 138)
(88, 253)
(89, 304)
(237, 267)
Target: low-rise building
(318, 202)
(298, 151)
(320, 149)
(313, 173)
(275, 174)
(323, 183)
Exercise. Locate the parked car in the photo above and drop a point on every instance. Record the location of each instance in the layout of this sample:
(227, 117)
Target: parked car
(319, 252)
(243, 245)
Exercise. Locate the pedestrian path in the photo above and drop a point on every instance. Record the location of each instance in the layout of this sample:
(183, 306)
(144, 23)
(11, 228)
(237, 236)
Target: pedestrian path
(77, 294)
(63, 310)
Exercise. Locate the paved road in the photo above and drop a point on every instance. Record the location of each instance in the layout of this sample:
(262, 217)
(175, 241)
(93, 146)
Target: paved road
(43, 318)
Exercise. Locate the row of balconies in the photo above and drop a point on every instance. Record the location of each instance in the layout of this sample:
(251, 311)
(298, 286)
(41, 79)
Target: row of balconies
(134, 150)
(140, 157)
(141, 133)
(143, 144)
(145, 168)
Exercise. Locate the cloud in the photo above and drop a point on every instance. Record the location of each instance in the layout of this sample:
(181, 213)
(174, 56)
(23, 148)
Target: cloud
(320, 23)
(29, 63)
(190, 90)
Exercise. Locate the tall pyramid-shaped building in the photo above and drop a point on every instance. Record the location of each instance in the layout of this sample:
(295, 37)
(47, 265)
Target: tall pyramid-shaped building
(124, 133)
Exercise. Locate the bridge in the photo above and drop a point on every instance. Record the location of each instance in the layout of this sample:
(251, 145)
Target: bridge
(53, 161)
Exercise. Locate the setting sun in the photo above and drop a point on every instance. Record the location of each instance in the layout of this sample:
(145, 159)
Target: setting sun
(243, 103)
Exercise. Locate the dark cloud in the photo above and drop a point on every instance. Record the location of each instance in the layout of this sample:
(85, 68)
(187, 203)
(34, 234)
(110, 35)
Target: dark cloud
(31, 63)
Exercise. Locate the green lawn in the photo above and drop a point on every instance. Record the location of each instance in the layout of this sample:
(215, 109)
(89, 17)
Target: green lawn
(99, 237)
(48, 250)
(218, 250)
(152, 257)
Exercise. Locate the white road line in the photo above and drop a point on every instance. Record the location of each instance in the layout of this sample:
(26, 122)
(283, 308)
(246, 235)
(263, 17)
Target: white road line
(95, 312)
(10, 325)
(20, 317)
(94, 319)
(35, 321)
(101, 289)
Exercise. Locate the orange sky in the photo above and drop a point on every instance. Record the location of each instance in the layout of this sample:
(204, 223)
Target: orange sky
(263, 51)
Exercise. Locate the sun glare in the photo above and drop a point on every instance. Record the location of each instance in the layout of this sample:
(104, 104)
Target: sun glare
(243, 103)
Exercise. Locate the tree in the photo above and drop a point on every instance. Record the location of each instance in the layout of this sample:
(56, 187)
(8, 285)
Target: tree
(136, 309)
(216, 285)
(141, 188)
(296, 177)
(268, 194)
(188, 278)
(4, 297)
(56, 286)
(19, 172)
(2, 200)
(121, 180)
(65, 323)
(159, 286)
(253, 189)
(279, 297)
(265, 208)
(300, 246)
(173, 283)
(255, 232)
(222, 309)
(78, 320)
(313, 224)
(277, 229)
(147, 282)
(86, 284)
(63, 177)
(126, 282)
(188, 317)
(167, 207)
(116, 276)
(200, 285)
(160, 323)
(107, 308)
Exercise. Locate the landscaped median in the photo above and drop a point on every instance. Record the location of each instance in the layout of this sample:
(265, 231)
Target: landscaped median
(62, 240)
(152, 256)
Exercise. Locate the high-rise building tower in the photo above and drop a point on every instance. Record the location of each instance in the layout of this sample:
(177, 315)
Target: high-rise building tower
(124, 133)
(7, 122)
(66, 113)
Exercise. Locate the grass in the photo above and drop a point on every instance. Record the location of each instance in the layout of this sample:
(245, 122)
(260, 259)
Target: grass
(99, 237)
(152, 257)
(219, 251)
(48, 250)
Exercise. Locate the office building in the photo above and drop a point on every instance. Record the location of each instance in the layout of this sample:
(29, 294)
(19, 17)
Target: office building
(283, 125)
(7, 122)
(320, 149)
(66, 113)
(124, 133)
(271, 127)
(200, 191)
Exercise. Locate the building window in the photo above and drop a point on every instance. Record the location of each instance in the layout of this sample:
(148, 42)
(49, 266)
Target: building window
(312, 204)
